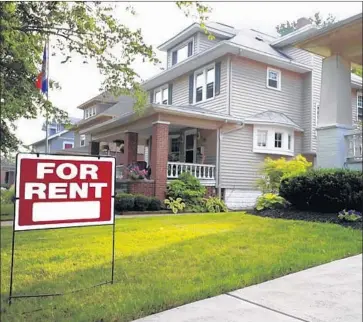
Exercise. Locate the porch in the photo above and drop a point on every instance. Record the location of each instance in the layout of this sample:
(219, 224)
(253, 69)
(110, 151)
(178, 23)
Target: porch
(175, 141)
(354, 150)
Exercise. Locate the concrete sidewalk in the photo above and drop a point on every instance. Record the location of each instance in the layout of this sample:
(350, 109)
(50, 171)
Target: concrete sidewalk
(328, 293)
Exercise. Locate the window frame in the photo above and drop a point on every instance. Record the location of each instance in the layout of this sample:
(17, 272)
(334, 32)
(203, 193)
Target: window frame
(180, 46)
(278, 71)
(82, 137)
(265, 132)
(68, 142)
(89, 112)
(270, 140)
(359, 94)
(204, 70)
(280, 140)
(161, 89)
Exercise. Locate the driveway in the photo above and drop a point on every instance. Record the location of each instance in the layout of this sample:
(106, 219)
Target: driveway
(328, 293)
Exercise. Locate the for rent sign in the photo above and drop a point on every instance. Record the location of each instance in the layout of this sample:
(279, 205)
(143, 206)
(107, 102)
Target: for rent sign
(56, 191)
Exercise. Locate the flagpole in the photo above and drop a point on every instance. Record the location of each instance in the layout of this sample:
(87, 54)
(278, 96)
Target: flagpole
(46, 113)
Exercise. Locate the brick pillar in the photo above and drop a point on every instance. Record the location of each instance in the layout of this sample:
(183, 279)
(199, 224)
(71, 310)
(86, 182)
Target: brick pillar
(130, 147)
(159, 157)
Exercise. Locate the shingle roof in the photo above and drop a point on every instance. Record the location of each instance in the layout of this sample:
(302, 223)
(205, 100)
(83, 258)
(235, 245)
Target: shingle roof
(273, 118)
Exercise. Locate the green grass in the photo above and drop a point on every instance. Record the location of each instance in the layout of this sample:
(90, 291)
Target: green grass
(161, 262)
(6, 211)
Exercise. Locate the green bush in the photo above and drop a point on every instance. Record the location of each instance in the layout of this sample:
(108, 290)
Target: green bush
(154, 204)
(188, 188)
(273, 171)
(141, 203)
(7, 195)
(175, 205)
(325, 190)
(350, 215)
(214, 204)
(270, 201)
(124, 202)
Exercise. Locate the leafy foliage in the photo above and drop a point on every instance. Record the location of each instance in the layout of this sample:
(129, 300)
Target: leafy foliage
(324, 190)
(273, 171)
(214, 204)
(130, 202)
(290, 26)
(124, 202)
(90, 30)
(270, 201)
(188, 188)
(351, 215)
(7, 195)
(175, 205)
(141, 203)
(154, 204)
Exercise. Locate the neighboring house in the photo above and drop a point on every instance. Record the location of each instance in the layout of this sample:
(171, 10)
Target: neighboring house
(59, 138)
(220, 108)
(7, 175)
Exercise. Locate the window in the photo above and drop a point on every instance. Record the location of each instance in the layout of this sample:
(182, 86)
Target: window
(273, 78)
(261, 138)
(289, 142)
(59, 127)
(174, 148)
(52, 131)
(360, 105)
(82, 140)
(278, 140)
(182, 53)
(88, 112)
(67, 145)
(161, 96)
(204, 84)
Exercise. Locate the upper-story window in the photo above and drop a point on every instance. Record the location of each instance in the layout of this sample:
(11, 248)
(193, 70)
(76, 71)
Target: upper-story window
(88, 112)
(360, 105)
(161, 95)
(82, 140)
(182, 53)
(59, 127)
(204, 84)
(273, 78)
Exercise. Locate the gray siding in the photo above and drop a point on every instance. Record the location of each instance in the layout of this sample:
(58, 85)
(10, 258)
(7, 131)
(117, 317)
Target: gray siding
(56, 143)
(169, 52)
(203, 43)
(299, 55)
(77, 139)
(316, 87)
(354, 107)
(249, 94)
(307, 113)
(218, 103)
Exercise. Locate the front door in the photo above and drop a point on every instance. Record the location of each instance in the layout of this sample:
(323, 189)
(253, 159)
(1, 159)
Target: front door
(190, 147)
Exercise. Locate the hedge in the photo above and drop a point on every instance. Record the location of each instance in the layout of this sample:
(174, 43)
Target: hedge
(129, 202)
(325, 190)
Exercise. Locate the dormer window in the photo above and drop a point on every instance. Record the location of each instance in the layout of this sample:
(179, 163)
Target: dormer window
(182, 53)
(89, 112)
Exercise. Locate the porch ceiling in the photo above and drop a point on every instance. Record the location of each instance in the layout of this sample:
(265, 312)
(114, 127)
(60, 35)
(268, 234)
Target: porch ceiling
(343, 38)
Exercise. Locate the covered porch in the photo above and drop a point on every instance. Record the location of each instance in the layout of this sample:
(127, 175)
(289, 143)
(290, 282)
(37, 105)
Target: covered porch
(176, 140)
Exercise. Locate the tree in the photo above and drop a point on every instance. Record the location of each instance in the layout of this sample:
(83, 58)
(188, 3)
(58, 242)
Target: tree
(87, 29)
(290, 26)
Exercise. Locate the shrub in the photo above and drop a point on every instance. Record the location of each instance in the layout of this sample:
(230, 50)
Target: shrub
(270, 201)
(188, 188)
(141, 203)
(124, 202)
(196, 208)
(7, 195)
(273, 171)
(325, 190)
(350, 215)
(154, 204)
(214, 204)
(175, 205)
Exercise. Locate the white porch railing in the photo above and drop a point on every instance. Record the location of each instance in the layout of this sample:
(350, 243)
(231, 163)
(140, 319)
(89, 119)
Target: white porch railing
(204, 172)
(354, 142)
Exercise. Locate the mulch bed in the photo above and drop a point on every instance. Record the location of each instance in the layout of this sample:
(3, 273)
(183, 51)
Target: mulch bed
(295, 214)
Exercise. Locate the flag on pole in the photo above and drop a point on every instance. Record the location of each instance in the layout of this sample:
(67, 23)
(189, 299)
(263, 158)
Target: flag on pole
(42, 79)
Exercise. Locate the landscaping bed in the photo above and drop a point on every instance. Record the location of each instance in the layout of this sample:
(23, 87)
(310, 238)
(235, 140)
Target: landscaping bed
(312, 216)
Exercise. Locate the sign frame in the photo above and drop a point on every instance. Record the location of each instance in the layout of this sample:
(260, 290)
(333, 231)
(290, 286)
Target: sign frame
(112, 221)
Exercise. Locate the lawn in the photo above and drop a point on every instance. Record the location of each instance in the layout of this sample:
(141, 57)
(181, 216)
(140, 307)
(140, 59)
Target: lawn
(6, 211)
(161, 262)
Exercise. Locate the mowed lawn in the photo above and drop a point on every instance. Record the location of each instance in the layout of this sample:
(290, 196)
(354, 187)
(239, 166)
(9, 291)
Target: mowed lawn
(161, 262)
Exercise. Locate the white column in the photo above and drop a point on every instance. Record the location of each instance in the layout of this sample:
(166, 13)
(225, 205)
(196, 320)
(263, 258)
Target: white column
(335, 112)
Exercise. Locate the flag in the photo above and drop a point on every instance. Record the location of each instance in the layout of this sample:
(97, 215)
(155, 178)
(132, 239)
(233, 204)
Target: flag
(42, 79)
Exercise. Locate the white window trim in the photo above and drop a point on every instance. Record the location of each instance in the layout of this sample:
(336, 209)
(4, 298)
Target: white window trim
(160, 89)
(204, 70)
(359, 93)
(270, 144)
(185, 43)
(269, 69)
(82, 137)
(89, 112)
(68, 142)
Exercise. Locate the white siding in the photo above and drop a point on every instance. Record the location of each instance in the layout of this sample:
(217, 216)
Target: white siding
(317, 70)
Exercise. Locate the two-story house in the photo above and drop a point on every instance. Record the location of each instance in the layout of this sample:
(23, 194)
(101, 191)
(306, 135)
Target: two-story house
(222, 106)
(59, 138)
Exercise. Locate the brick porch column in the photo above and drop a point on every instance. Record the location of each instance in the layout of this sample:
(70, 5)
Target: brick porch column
(130, 147)
(159, 157)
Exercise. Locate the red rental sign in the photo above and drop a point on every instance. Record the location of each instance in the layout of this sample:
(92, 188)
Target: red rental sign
(54, 191)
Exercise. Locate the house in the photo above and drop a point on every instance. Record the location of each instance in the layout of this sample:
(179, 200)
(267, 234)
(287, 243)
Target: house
(7, 174)
(221, 107)
(59, 138)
